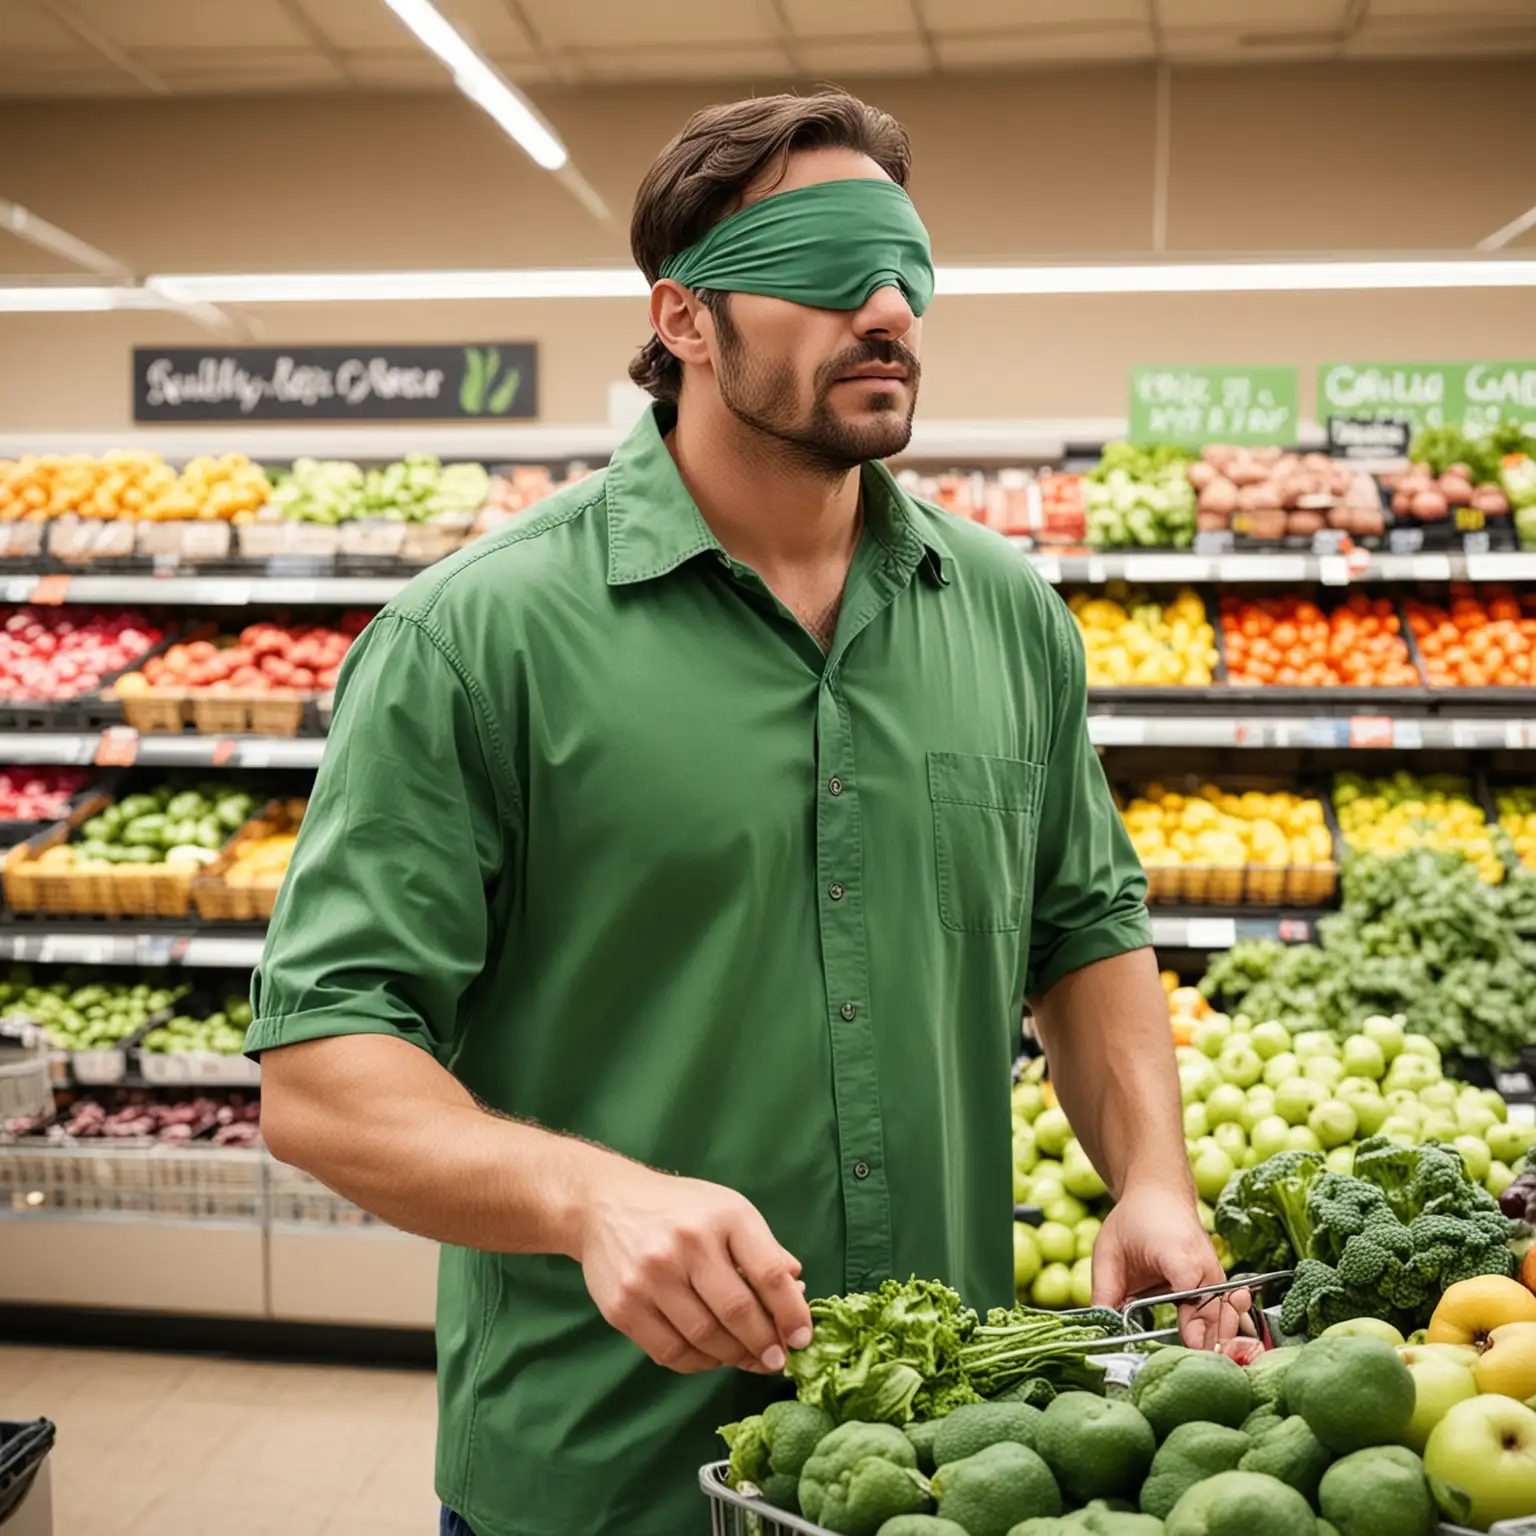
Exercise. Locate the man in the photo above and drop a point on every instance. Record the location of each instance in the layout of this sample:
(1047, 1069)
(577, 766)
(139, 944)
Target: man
(682, 858)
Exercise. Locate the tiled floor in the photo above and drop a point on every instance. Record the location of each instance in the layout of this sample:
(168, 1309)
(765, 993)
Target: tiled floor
(180, 1445)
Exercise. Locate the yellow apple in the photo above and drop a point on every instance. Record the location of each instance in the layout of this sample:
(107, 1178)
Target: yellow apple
(1470, 1310)
(1508, 1361)
(1486, 1446)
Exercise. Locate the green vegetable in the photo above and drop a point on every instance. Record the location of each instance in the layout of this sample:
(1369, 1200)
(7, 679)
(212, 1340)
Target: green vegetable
(860, 1476)
(1191, 1453)
(1428, 1180)
(779, 1440)
(1291, 1452)
(1139, 497)
(1262, 1213)
(1353, 1392)
(1378, 1492)
(1266, 1377)
(989, 1493)
(922, 1435)
(921, 1525)
(973, 1427)
(1241, 1504)
(1178, 1386)
(1095, 1447)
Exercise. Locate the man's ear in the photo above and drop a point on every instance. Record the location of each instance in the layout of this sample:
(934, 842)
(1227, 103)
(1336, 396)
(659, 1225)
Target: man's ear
(680, 321)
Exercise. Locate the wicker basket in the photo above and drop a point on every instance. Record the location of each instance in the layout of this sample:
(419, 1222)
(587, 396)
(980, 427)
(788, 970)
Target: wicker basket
(161, 712)
(247, 714)
(219, 902)
(126, 890)
(26, 1088)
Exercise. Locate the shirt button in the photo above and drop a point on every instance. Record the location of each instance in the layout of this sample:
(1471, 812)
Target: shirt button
(849, 1012)
(861, 1170)
(834, 786)
(835, 891)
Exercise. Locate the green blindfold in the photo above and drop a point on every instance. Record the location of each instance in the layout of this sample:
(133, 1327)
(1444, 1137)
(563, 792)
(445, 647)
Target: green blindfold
(830, 246)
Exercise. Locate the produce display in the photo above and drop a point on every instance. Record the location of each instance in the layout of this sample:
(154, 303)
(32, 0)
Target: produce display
(415, 489)
(1446, 470)
(264, 859)
(221, 1033)
(84, 1012)
(1404, 811)
(1291, 641)
(1356, 1432)
(1133, 640)
(265, 657)
(1266, 494)
(131, 484)
(1139, 497)
(1517, 820)
(39, 794)
(62, 653)
(230, 1120)
(1477, 642)
(1418, 934)
(1208, 828)
(169, 824)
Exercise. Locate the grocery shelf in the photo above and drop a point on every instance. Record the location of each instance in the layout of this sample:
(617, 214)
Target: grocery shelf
(1207, 930)
(1215, 726)
(62, 941)
(212, 591)
(164, 751)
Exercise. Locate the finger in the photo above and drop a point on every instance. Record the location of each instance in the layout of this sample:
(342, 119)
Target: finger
(1108, 1276)
(665, 1345)
(771, 1272)
(695, 1318)
(735, 1309)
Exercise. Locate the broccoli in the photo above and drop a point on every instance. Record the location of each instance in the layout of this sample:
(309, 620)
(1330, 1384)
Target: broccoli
(1262, 1213)
(1340, 1208)
(1429, 1180)
(1450, 1248)
(1319, 1297)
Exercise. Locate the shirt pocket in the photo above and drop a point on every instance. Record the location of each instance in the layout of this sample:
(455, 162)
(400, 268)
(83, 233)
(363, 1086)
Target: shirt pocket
(984, 820)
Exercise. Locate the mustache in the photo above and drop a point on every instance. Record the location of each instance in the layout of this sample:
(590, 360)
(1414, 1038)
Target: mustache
(888, 353)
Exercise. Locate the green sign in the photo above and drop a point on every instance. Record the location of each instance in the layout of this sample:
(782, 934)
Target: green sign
(1195, 406)
(1472, 396)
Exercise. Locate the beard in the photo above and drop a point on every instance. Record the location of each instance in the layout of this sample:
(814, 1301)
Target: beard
(766, 397)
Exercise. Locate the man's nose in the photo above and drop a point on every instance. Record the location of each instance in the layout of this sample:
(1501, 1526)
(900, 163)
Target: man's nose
(885, 314)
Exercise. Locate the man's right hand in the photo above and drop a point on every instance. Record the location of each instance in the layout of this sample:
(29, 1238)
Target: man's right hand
(690, 1272)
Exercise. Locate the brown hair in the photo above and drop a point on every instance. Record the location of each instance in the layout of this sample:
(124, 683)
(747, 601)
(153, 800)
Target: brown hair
(700, 176)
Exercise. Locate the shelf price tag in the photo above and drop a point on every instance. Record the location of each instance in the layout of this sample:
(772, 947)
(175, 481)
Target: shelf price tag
(1210, 933)
(1116, 730)
(19, 588)
(1049, 567)
(1370, 730)
(118, 747)
(1430, 567)
(224, 750)
(1517, 734)
(50, 591)
(1408, 735)
(1333, 570)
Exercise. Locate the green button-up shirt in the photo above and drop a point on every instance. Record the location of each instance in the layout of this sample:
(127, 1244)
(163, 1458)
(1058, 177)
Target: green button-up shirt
(602, 828)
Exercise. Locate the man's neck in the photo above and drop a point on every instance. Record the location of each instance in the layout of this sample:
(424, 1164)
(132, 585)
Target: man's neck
(769, 508)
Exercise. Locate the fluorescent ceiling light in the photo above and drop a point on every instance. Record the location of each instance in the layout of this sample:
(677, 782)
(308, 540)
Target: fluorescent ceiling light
(482, 82)
(60, 298)
(363, 287)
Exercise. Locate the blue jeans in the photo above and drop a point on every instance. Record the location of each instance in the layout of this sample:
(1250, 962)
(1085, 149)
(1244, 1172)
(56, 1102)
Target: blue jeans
(453, 1525)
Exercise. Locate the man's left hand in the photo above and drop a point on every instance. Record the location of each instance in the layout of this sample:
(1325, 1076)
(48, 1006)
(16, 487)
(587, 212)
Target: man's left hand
(1152, 1243)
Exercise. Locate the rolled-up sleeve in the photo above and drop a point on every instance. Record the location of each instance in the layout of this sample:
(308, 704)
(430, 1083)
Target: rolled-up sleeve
(1089, 891)
(384, 917)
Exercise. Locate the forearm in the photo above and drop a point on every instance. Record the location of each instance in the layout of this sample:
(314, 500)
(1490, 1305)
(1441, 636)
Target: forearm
(379, 1121)
(1106, 1035)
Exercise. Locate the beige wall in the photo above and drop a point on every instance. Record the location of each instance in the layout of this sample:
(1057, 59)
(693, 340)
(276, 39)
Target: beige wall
(1290, 158)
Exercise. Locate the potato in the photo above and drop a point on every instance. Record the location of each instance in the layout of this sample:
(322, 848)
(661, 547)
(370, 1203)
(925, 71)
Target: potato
(1201, 473)
(1402, 502)
(1490, 501)
(1259, 497)
(1456, 489)
(1268, 456)
(1303, 522)
(1219, 454)
(1369, 522)
(1247, 472)
(1219, 496)
(1461, 471)
(1430, 507)
(1264, 525)
(1319, 463)
(1211, 522)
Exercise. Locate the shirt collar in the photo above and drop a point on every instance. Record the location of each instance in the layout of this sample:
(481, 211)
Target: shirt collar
(654, 526)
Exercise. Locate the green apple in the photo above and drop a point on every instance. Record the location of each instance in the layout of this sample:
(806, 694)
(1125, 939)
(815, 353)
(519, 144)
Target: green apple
(1057, 1242)
(1281, 1069)
(1364, 1058)
(1087, 1234)
(1333, 1123)
(1386, 1033)
(1270, 1039)
(1250, 1159)
(1213, 1034)
(1486, 1446)
(1231, 1138)
(1240, 1064)
(1196, 1122)
(1495, 1101)
(1419, 1349)
(1254, 1111)
(1053, 1287)
(1224, 1102)
(1025, 1152)
(1044, 1192)
(1065, 1208)
(1269, 1136)
(1082, 1283)
(1371, 1111)
(1439, 1384)
(1023, 1190)
(1365, 1328)
(1353, 1086)
(1500, 1177)
(1196, 1082)
(1082, 1179)
(1475, 1118)
(1474, 1153)
(1302, 1138)
(1403, 1132)
(1438, 1126)
(1213, 1170)
(1028, 1100)
(1509, 1143)
(1188, 1056)
(1026, 1256)
(1414, 1073)
(1421, 1045)
(1323, 1069)
(1315, 1042)
(1207, 1216)
(1295, 1100)
(1052, 1131)
(1048, 1170)
(1404, 1101)
(1341, 1160)
(1439, 1095)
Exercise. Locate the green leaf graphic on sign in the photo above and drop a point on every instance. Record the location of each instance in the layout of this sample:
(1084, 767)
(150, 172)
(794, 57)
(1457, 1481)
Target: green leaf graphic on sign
(505, 393)
(472, 387)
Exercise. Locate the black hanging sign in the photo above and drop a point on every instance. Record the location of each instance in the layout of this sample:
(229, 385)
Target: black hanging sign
(487, 381)
(1356, 437)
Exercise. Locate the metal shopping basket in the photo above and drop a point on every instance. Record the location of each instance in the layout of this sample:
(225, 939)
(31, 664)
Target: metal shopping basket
(23, 1449)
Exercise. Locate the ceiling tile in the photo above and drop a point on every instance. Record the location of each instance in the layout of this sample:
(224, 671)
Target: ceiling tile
(1236, 45)
(391, 70)
(221, 24)
(654, 24)
(1454, 13)
(26, 30)
(76, 80)
(889, 56)
(766, 62)
(850, 18)
(240, 70)
(1253, 15)
(943, 16)
(1024, 50)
